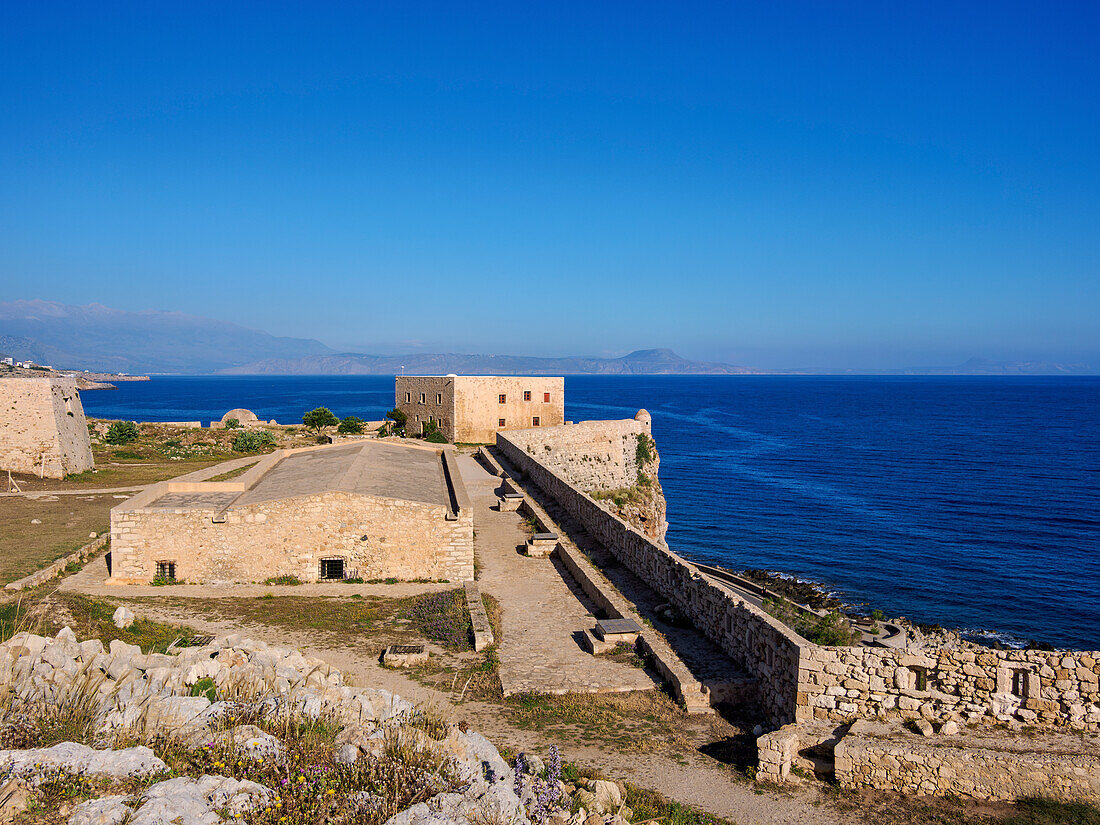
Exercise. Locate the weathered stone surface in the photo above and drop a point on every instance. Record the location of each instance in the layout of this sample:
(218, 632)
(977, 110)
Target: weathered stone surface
(187, 801)
(123, 617)
(107, 810)
(75, 758)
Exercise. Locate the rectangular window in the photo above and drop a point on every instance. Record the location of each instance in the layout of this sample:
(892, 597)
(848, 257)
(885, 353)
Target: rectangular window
(332, 569)
(546, 398)
(408, 397)
(431, 419)
(535, 421)
(439, 398)
(526, 395)
(421, 398)
(1019, 683)
(166, 571)
(500, 422)
(503, 399)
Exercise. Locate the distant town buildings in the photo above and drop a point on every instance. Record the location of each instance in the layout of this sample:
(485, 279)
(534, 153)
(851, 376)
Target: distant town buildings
(473, 408)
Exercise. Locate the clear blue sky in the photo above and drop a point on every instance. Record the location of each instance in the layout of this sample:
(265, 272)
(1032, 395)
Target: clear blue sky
(775, 184)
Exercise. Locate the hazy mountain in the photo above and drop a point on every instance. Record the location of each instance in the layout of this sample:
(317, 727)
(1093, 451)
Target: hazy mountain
(641, 362)
(974, 366)
(95, 337)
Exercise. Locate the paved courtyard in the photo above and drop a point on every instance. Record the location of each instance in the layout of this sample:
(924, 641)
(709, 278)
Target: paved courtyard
(544, 612)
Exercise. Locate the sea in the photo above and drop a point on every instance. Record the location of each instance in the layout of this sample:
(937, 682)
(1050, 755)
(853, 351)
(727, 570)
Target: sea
(968, 502)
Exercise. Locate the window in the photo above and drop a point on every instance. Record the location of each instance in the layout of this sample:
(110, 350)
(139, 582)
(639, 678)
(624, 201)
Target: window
(166, 571)
(500, 422)
(421, 398)
(503, 399)
(1019, 683)
(526, 395)
(535, 421)
(431, 419)
(919, 678)
(546, 398)
(408, 397)
(332, 569)
(439, 398)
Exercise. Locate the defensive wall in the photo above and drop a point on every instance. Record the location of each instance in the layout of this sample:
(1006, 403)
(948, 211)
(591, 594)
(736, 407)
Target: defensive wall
(42, 427)
(240, 531)
(759, 644)
(800, 681)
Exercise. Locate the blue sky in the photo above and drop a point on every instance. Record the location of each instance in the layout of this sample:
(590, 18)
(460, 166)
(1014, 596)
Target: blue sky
(774, 184)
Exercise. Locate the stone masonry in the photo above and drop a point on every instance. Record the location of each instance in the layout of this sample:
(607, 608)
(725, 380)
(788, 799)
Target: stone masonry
(42, 427)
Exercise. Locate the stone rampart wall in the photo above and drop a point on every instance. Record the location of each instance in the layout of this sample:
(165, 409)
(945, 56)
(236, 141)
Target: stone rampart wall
(291, 536)
(909, 765)
(1042, 688)
(42, 427)
(591, 455)
(759, 644)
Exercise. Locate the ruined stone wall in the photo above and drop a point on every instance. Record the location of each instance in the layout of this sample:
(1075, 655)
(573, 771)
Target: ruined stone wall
(1006, 770)
(967, 684)
(759, 644)
(42, 427)
(403, 539)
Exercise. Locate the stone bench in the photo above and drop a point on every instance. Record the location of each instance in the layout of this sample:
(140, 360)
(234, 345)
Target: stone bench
(509, 502)
(542, 544)
(479, 619)
(617, 631)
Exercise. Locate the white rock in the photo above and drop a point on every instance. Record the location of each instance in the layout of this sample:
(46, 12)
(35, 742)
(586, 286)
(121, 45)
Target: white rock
(72, 757)
(123, 617)
(109, 810)
(187, 801)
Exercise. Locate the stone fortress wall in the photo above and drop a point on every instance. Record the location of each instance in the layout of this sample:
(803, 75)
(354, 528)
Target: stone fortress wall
(467, 408)
(591, 455)
(758, 643)
(42, 427)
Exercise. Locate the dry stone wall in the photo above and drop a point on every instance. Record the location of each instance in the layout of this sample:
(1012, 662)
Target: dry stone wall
(967, 684)
(759, 644)
(42, 427)
(376, 538)
(591, 455)
(1004, 770)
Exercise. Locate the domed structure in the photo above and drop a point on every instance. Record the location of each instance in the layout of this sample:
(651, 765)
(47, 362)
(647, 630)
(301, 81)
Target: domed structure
(643, 416)
(241, 415)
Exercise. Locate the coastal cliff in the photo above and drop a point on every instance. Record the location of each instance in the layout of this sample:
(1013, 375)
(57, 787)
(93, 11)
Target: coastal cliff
(642, 504)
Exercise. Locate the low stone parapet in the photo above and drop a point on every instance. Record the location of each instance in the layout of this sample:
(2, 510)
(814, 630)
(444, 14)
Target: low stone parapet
(776, 753)
(479, 618)
(57, 568)
(975, 764)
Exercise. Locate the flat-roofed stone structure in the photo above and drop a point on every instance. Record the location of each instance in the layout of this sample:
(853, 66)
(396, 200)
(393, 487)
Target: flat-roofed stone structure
(42, 427)
(365, 510)
(471, 409)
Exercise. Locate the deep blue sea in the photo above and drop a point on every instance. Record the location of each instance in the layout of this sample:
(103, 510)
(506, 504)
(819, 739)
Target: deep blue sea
(971, 502)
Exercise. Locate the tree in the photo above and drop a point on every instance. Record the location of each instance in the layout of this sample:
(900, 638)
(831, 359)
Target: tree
(122, 432)
(397, 417)
(350, 425)
(319, 418)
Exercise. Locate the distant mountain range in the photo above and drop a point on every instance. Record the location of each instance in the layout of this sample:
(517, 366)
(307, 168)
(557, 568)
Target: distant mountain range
(101, 339)
(95, 337)
(640, 362)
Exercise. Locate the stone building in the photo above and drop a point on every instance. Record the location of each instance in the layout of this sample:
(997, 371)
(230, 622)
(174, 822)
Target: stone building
(42, 427)
(367, 510)
(473, 408)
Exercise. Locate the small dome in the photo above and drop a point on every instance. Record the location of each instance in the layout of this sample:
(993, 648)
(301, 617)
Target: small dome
(241, 415)
(644, 416)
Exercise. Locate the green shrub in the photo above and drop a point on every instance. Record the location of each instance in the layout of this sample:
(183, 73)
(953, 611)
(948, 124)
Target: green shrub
(205, 687)
(283, 580)
(319, 418)
(232, 423)
(646, 450)
(122, 432)
(431, 432)
(253, 441)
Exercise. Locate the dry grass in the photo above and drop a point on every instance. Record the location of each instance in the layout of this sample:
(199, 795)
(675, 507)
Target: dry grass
(65, 525)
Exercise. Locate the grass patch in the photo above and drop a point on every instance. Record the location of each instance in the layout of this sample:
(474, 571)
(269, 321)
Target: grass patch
(1041, 811)
(442, 617)
(64, 528)
(240, 471)
(283, 580)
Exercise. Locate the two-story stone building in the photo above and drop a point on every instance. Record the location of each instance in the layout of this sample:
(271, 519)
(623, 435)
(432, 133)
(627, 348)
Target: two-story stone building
(473, 408)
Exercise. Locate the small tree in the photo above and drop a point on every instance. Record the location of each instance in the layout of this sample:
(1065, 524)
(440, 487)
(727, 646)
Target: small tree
(399, 420)
(319, 418)
(232, 424)
(350, 425)
(122, 432)
(432, 433)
